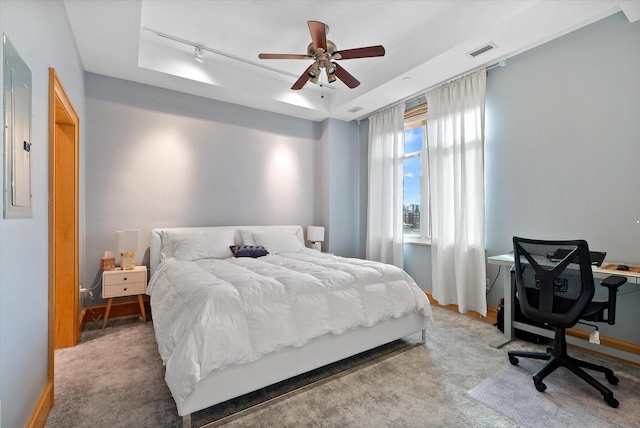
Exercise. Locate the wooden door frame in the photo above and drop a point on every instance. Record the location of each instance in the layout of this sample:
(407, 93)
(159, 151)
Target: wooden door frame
(61, 112)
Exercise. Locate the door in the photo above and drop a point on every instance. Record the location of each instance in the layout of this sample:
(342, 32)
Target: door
(63, 218)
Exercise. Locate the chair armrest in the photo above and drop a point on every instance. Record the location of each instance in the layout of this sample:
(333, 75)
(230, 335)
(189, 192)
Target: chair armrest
(612, 282)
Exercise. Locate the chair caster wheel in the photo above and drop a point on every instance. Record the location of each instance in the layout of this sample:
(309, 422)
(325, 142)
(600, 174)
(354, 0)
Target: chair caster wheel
(513, 360)
(540, 386)
(612, 402)
(613, 380)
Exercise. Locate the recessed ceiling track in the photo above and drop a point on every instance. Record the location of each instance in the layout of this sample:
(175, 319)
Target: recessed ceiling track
(217, 52)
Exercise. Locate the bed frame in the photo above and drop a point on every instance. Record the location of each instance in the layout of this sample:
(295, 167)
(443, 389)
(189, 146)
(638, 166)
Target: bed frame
(237, 380)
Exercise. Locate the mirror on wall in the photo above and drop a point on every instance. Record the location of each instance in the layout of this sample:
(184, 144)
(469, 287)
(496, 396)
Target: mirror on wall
(17, 133)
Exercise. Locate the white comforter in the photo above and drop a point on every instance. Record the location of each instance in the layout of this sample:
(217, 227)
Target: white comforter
(211, 313)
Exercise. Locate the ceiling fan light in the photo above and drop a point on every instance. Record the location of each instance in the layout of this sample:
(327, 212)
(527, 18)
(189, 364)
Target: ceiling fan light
(331, 78)
(199, 55)
(331, 68)
(314, 70)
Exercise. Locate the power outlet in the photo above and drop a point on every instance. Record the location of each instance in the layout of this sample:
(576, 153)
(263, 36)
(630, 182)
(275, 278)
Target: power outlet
(488, 284)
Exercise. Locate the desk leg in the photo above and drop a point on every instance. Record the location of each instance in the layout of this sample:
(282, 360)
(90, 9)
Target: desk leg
(106, 313)
(141, 303)
(508, 312)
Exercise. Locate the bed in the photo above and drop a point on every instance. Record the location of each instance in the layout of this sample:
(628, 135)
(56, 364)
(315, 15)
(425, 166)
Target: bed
(227, 326)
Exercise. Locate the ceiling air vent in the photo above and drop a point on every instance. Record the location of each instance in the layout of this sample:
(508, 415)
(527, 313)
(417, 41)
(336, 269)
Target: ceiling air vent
(474, 53)
(355, 110)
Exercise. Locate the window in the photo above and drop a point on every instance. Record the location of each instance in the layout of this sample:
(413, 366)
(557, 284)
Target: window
(415, 216)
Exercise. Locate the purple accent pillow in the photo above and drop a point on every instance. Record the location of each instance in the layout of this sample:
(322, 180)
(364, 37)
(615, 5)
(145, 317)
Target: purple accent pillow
(248, 251)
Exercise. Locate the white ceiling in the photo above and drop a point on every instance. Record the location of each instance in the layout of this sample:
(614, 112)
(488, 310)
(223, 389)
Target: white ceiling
(426, 43)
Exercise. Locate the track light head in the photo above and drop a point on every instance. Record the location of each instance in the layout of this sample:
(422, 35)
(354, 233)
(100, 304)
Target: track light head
(199, 55)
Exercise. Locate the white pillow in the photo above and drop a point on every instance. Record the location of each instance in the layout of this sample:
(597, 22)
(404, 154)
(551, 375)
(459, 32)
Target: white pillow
(247, 238)
(196, 245)
(278, 242)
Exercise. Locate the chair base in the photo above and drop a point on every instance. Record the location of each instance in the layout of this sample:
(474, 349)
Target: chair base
(557, 357)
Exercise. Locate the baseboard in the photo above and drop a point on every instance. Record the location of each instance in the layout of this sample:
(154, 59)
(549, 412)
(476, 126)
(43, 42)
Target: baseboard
(118, 309)
(42, 408)
(492, 313)
(611, 342)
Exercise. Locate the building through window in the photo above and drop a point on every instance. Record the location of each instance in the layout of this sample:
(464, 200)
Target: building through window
(415, 210)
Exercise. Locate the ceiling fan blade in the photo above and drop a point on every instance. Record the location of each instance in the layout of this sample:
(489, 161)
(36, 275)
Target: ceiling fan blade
(345, 76)
(318, 34)
(302, 80)
(367, 52)
(283, 56)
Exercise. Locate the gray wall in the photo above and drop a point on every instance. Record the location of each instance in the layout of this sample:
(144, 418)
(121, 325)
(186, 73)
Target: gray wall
(363, 180)
(417, 263)
(563, 149)
(340, 187)
(157, 158)
(563, 153)
(41, 33)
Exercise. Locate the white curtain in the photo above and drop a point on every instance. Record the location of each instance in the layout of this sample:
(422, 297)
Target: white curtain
(455, 139)
(386, 169)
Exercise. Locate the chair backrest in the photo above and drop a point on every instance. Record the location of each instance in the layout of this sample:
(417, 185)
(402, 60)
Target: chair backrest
(554, 287)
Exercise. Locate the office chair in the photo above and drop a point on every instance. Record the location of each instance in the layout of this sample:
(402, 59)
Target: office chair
(558, 293)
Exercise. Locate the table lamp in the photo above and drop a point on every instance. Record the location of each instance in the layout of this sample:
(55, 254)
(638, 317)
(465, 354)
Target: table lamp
(315, 235)
(128, 244)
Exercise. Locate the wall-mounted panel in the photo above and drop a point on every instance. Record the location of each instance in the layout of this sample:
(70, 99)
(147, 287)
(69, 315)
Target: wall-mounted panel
(17, 134)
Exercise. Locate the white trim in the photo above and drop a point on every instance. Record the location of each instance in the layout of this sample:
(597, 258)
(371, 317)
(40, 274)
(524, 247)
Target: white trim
(414, 240)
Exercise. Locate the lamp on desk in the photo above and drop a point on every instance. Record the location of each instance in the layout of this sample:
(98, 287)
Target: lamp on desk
(315, 235)
(128, 243)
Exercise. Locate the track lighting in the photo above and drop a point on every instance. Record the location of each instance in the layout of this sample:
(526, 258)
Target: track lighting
(199, 55)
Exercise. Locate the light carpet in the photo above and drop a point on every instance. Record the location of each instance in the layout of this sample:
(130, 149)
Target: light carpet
(115, 378)
(567, 401)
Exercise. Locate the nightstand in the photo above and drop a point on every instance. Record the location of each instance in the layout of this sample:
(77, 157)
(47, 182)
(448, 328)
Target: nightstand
(120, 283)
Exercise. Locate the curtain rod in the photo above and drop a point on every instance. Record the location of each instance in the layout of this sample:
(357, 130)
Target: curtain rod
(423, 92)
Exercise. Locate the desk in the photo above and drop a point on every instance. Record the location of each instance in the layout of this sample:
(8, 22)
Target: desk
(510, 324)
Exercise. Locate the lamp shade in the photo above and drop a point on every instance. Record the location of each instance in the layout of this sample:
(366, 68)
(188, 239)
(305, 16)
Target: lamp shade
(128, 241)
(315, 233)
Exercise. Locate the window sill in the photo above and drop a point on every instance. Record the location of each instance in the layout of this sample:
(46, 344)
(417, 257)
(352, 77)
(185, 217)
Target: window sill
(417, 241)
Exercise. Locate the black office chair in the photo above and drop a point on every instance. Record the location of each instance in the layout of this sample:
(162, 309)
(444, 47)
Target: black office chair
(558, 292)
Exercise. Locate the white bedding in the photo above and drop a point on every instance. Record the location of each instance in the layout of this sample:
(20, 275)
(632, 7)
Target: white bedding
(212, 313)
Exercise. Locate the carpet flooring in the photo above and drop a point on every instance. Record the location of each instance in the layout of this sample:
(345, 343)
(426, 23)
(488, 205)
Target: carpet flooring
(567, 401)
(115, 378)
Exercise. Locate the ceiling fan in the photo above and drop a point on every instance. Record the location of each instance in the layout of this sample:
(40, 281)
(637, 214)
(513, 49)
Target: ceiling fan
(323, 51)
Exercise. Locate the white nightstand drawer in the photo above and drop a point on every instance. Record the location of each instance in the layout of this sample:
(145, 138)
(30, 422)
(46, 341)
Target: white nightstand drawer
(117, 290)
(125, 277)
(120, 283)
